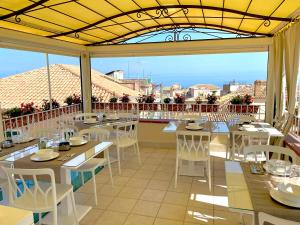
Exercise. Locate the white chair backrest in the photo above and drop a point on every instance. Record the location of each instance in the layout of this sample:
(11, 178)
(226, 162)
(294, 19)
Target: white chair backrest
(95, 133)
(127, 129)
(84, 116)
(191, 142)
(29, 182)
(265, 218)
(241, 139)
(271, 152)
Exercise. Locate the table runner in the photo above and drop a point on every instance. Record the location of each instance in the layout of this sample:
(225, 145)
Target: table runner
(80, 125)
(210, 126)
(16, 147)
(55, 164)
(261, 127)
(259, 186)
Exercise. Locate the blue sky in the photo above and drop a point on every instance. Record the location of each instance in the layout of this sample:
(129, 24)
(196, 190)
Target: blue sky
(187, 70)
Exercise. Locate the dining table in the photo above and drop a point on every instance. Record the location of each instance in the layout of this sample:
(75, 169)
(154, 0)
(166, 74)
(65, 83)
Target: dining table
(62, 166)
(249, 193)
(106, 123)
(257, 127)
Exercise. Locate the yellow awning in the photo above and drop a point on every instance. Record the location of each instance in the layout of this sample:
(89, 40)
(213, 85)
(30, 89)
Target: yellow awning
(92, 22)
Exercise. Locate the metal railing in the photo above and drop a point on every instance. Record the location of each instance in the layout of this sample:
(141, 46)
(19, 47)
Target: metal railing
(39, 119)
(215, 112)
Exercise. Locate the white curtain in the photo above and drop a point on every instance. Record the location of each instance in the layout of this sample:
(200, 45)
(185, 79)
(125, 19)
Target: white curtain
(291, 56)
(276, 78)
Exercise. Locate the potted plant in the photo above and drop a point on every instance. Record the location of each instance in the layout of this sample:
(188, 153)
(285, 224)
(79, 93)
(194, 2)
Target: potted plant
(211, 105)
(94, 101)
(141, 99)
(113, 102)
(27, 109)
(69, 100)
(196, 107)
(243, 104)
(125, 105)
(13, 112)
(167, 100)
(76, 99)
(179, 103)
(46, 105)
(149, 100)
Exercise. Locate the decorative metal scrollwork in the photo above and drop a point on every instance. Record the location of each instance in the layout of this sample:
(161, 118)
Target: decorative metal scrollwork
(267, 23)
(169, 38)
(162, 12)
(17, 19)
(187, 37)
(76, 35)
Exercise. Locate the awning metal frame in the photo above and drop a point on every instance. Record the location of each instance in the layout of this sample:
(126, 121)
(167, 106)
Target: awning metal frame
(154, 13)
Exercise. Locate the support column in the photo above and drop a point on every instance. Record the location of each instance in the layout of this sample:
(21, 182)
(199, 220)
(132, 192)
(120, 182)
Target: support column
(270, 98)
(49, 80)
(1, 127)
(86, 84)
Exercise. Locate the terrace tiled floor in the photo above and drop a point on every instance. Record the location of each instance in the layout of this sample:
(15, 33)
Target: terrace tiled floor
(145, 194)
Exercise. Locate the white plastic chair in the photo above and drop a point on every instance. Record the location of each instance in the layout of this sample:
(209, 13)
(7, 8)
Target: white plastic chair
(4, 182)
(241, 139)
(99, 134)
(260, 153)
(269, 219)
(193, 146)
(126, 136)
(84, 116)
(42, 196)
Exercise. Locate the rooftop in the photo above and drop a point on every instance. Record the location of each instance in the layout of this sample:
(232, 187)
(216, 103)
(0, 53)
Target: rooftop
(210, 87)
(32, 86)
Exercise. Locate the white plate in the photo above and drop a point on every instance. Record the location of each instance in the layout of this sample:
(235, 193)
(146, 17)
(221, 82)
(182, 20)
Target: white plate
(83, 142)
(112, 118)
(90, 122)
(44, 157)
(276, 196)
(194, 128)
(25, 140)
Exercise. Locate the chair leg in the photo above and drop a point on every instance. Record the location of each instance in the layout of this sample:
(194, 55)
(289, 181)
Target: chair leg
(176, 172)
(74, 208)
(138, 153)
(4, 190)
(55, 216)
(40, 219)
(209, 174)
(109, 167)
(119, 160)
(95, 187)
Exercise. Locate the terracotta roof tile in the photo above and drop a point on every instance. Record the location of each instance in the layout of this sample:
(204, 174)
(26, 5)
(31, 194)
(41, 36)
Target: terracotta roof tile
(32, 86)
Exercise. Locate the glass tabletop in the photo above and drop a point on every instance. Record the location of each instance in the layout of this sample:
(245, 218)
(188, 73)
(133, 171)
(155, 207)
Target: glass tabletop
(83, 157)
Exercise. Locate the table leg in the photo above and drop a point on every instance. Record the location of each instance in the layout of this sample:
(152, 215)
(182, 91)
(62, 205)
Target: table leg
(65, 178)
